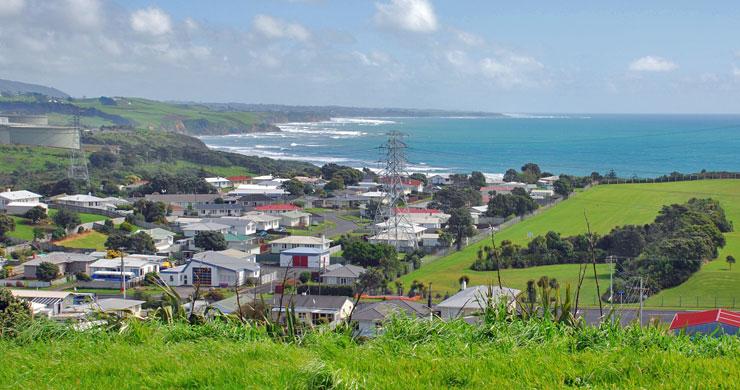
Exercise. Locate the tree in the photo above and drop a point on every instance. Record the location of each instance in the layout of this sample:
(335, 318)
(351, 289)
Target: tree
(14, 312)
(532, 169)
(210, 241)
(38, 233)
(452, 197)
(334, 184)
(66, 219)
(563, 187)
(103, 159)
(510, 175)
(152, 211)
(304, 277)
(136, 243)
(730, 261)
(421, 177)
(35, 214)
(460, 225)
(7, 225)
(369, 280)
(477, 180)
(294, 187)
(47, 271)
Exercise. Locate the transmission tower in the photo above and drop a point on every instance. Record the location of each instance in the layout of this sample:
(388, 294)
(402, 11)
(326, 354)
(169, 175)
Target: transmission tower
(77, 161)
(389, 223)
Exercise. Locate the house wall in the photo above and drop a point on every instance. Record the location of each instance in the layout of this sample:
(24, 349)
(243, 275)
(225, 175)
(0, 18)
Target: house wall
(314, 261)
(332, 280)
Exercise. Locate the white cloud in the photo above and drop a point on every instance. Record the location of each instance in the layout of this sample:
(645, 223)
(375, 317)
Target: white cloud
(374, 58)
(152, 21)
(84, 13)
(409, 15)
(274, 28)
(467, 38)
(652, 64)
(511, 70)
(11, 7)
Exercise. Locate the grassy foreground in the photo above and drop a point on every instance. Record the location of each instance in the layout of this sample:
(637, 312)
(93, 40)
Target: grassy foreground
(421, 354)
(607, 206)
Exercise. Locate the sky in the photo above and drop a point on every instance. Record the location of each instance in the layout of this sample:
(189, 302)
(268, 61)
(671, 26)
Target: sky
(499, 56)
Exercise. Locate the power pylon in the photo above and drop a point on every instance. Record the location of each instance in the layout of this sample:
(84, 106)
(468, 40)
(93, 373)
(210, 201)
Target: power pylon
(77, 161)
(388, 221)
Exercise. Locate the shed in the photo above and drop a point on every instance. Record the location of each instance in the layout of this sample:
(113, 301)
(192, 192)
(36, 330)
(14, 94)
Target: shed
(706, 322)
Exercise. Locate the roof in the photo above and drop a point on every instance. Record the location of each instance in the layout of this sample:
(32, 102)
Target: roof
(40, 294)
(381, 310)
(722, 316)
(80, 198)
(115, 263)
(15, 195)
(260, 217)
(182, 198)
(255, 198)
(429, 236)
(302, 250)
(311, 301)
(215, 179)
(344, 271)
(224, 261)
(61, 257)
(497, 188)
(278, 207)
(159, 233)
(301, 240)
(236, 253)
(219, 206)
(475, 297)
(296, 214)
(415, 210)
(205, 226)
(239, 178)
(118, 304)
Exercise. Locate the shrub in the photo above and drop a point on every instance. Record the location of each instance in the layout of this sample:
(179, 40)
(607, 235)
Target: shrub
(80, 230)
(125, 226)
(14, 312)
(83, 277)
(66, 219)
(342, 291)
(214, 295)
(58, 234)
(305, 277)
(47, 271)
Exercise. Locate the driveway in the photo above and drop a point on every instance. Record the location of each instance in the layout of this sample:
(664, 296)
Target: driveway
(342, 225)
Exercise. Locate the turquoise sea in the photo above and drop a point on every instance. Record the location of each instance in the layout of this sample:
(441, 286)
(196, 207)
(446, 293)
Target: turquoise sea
(631, 145)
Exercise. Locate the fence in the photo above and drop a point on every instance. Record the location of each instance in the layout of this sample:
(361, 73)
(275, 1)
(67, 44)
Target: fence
(670, 179)
(689, 302)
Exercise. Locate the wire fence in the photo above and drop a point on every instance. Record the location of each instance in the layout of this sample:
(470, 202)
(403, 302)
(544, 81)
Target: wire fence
(675, 178)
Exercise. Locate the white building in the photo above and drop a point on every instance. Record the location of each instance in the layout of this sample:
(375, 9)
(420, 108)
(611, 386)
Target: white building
(295, 219)
(313, 309)
(404, 236)
(54, 302)
(250, 189)
(471, 300)
(163, 239)
(291, 242)
(134, 268)
(304, 257)
(236, 225)
(263, 221)
(19, 202)
(192, 229)
(119, 306)
(215, 269)
(218, 182)
(82, 201)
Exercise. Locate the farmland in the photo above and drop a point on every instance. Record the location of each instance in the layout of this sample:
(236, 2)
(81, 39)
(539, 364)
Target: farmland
(606, 206)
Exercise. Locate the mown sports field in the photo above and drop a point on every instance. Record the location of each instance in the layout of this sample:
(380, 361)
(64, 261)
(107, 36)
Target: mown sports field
(607, 206)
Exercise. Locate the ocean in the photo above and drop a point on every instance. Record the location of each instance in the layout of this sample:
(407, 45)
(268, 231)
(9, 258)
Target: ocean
(631, 145)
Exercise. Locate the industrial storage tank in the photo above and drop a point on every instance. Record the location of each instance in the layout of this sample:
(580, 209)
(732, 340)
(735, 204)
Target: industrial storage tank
(35, 130)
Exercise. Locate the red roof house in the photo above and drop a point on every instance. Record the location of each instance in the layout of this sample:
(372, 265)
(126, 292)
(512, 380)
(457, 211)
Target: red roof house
(706, 322)
(240, 179)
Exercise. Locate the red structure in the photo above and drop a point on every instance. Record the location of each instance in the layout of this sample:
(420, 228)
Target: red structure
(706, 322)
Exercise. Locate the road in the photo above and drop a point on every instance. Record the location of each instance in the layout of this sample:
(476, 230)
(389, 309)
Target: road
(628, 316)
(342, 225)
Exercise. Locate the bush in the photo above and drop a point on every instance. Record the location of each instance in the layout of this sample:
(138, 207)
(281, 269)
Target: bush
(58, 234)
(66, 219)
(80, 230)
(341, 291)
(125, 226)
(83, 277)
(214, 295)
(305, 277)
(14, 313)
(47, 271)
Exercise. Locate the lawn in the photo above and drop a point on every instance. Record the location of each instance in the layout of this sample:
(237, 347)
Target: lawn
(24, 228)
(313, 229)
(606, 206)
(88, 240)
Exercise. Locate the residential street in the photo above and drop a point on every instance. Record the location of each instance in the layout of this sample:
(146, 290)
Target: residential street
(342, 225)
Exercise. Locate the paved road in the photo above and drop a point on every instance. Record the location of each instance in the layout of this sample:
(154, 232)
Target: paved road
(628, 316)
(342, 225)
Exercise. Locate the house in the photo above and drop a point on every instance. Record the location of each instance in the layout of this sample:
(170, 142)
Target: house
(88, 201)
(343, 275)
(295, 219)
(250, 201)
(370, 317)
(184, 202)
(237, 225)
(134, 269)
(192, 229)
(280, 208)
(291, 242)
(163, 239)
(119, 306)
(548, 182)
(494, 178)
(537, 194)
(471, 300)
(19, 202)
(404, 236)
(707, 322)
(216, 269)
(263, 221)
(247, 189)
(313, 309)
(241, 242)
(219, 209)
(68, 263)
(439, 180)
(344, 201)
(305, 257)
(430, 240)
(54, 302)
(218, 182)
(237, 180)
(408, 185)
(263, 178)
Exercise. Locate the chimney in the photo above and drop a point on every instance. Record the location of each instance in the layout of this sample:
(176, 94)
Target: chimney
(463, 284)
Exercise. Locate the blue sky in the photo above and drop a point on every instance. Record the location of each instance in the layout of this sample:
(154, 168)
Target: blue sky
(537, 56)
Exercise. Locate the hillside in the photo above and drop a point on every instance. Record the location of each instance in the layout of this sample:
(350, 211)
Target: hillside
(143, 153)
(9, 87)
(607, 206)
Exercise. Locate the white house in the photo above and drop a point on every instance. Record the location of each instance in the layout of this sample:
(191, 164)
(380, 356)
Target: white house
(277, 209)
(236, 225)
(471, 300)
(263, 221)
(119, 306)
(305, 257)
(404, 236)
(295, 219)
(439, 180)
(371, 316)
(82, 201)
(343, 275)
(218, 182)
(249, 189)
(215, 269)
(548, 182)
(134, 268)
(313, 309)
(163, 239)
(190, 230)
(54, 302)
(430, 240)
(291, 242)
(19, 202)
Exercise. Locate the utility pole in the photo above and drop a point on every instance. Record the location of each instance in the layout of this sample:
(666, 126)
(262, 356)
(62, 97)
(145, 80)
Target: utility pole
(640, 301)
(123, 277)
(495, 257)
(611, 282)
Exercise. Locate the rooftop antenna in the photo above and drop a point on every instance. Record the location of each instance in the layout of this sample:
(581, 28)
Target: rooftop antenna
(394, 225)
(77, 161)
